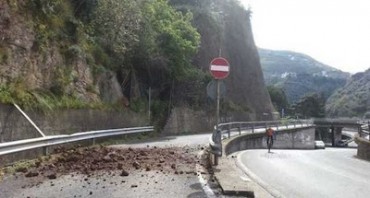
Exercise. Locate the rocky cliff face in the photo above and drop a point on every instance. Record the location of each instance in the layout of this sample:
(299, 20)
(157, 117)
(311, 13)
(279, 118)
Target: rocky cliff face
(245, 84)
(31, 63)
(226, 30)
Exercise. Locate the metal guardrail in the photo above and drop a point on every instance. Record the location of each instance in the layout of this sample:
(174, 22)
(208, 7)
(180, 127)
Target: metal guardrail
(240, 126)
(45, 142)
(364, 130)
(222, 128)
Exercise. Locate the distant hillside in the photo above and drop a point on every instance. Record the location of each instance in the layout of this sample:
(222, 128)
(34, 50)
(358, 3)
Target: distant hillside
(299, 74)
(353, 100)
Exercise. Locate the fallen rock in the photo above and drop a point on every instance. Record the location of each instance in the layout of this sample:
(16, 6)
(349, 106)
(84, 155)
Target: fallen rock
(21, 170)
(52, 176)
(136, 165)
(31, 174)
(124, 173)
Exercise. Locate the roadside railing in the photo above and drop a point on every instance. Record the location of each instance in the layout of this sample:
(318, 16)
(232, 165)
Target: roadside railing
(364, 130)
(47, 141)
(239, 127)
(230, 127)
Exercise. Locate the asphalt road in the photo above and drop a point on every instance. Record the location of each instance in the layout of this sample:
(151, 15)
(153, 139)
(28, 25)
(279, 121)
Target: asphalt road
(309, 173)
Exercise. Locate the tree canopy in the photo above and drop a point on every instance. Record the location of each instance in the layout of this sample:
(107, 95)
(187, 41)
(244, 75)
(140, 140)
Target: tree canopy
(311, 105)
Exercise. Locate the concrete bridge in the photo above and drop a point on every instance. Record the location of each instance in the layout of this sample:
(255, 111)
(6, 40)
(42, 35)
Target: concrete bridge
(331, 130)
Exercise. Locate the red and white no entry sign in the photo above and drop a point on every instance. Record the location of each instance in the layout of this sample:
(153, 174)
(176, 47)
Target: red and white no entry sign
(219, 68)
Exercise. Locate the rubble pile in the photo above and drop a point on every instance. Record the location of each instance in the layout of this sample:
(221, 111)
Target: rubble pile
(110, 160)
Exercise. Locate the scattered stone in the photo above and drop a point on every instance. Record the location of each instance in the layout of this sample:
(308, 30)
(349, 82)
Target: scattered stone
(107, 158)
(173, 166)
(124, 173)
(133, 186)
(136, 165)
(31, 174)
(37, 164)
(147, 168)
(52, 176)
(21, 170)
(91, 193)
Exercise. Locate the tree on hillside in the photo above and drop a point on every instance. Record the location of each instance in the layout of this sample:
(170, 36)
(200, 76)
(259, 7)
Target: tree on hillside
(278, 98)
(116, 24)
(311, 105)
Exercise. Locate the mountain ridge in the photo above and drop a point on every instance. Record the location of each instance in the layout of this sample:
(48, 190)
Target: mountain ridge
(299, 74)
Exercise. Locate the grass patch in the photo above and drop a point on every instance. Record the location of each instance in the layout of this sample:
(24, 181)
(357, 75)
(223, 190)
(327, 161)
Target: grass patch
(23, 166)
(44, 100)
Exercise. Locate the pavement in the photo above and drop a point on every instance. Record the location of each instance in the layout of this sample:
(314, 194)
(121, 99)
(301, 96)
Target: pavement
(234, 182)
(332, 172)
(237, 180)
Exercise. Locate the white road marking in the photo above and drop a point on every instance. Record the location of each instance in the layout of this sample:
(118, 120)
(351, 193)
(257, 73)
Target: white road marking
(207, 190)
(223, 68)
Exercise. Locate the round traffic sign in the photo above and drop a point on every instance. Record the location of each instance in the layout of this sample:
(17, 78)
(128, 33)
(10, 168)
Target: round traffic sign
(219, 68)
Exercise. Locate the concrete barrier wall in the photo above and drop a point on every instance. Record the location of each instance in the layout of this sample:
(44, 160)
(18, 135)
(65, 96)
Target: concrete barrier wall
(301, 138)
(363, 149)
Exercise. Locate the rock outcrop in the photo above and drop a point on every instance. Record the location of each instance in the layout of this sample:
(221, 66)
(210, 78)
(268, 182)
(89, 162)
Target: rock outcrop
(225, 30)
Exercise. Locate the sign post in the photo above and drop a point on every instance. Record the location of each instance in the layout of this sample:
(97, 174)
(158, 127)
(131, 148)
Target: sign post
(219, 69)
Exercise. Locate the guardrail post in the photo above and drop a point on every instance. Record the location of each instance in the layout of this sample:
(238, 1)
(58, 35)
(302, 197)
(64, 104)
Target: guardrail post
(93, 141)
(229, 130)
(240, 129)
(360, 131)
(368, 125)
(45, 150)
(252, 128)
(294, 123)
(215, 160)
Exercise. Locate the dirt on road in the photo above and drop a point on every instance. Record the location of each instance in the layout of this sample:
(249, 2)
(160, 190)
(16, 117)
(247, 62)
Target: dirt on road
(102, 164)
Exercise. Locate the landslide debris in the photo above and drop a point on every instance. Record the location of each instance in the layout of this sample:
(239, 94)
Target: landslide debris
(92, 159)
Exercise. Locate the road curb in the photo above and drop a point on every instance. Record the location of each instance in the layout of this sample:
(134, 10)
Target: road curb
(259, 181)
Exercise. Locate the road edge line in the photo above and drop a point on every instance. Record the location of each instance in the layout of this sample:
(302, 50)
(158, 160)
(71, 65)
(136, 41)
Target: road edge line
(258, 180)
(204, 183)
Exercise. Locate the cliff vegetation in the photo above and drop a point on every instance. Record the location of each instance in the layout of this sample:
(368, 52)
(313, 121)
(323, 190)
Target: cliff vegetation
(114, 54)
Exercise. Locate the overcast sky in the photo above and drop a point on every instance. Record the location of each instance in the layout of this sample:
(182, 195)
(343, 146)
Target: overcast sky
(334, 32)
